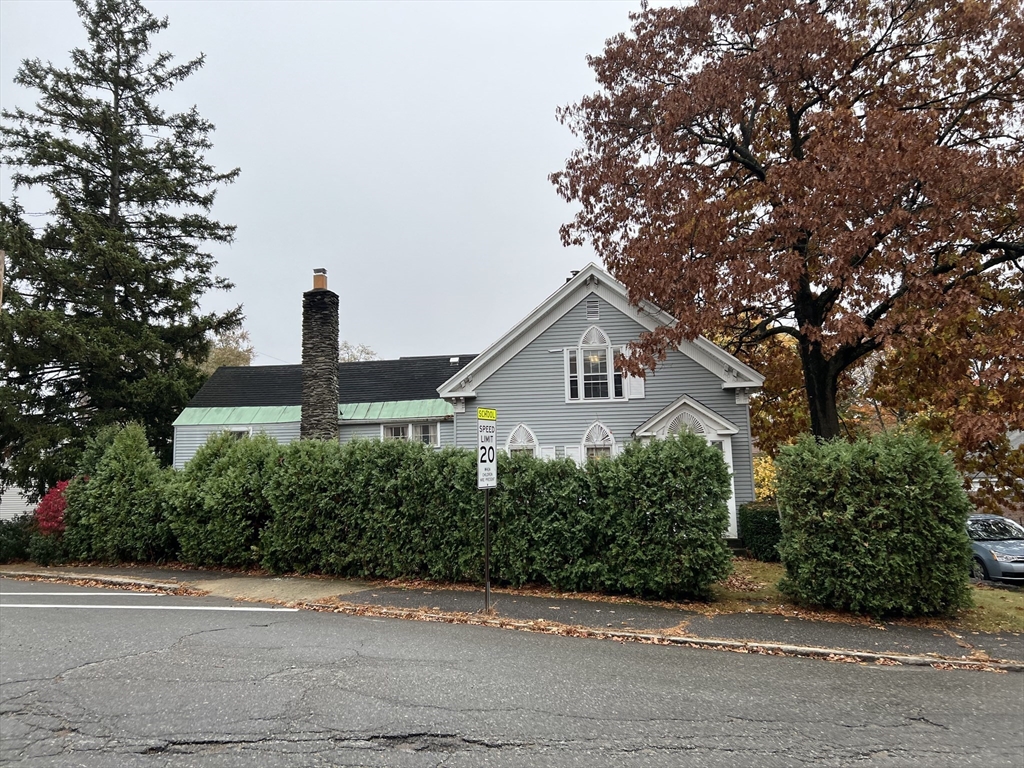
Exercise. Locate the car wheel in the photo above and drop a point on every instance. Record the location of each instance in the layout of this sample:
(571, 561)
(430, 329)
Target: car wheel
(978, 572)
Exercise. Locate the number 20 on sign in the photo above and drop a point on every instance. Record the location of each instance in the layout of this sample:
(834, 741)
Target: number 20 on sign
(486, 465)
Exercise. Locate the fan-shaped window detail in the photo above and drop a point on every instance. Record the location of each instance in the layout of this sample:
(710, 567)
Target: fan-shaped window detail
(598, 442)
(522, 440)
(688, 422)
(594, 337)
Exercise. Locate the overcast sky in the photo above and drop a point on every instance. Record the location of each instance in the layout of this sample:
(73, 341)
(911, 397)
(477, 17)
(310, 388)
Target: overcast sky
(404, 146)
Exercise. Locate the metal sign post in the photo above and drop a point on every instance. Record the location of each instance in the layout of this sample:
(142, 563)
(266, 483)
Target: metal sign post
(487, 478)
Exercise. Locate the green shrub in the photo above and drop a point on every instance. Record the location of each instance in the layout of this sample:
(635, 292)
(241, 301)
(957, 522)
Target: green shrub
(875, 527)
(648, 522)
(218, 503)
(760, 530)
(453, 527)
(15, 535)
(45, 549)
(539, 529)
(662, 512)
(306, 494)
(117, 513)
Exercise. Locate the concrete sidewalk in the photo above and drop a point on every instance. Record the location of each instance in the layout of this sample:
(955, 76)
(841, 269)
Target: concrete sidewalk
(623, 619)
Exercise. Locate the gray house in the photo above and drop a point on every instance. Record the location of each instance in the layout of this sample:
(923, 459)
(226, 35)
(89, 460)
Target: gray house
(553, 379)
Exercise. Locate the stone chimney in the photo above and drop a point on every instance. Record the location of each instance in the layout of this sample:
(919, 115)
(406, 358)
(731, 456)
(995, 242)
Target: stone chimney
(319, 361)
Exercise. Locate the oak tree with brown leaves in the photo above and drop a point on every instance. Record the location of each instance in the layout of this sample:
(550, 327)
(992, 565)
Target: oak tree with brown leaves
(845, 173)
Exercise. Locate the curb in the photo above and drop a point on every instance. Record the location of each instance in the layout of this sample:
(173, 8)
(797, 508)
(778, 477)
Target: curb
(114, 581)
(735, 646)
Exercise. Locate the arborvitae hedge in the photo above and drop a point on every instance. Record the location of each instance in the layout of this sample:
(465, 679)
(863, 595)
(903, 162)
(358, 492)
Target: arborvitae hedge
(760, 530)
(218, 504)
(875, 526)
(648, 522)
(117, 512)
(661, 514)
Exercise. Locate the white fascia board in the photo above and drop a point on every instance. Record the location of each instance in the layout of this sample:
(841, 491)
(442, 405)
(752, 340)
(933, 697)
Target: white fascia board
(744, 375)
(720, 425)
(593, 279)
(524, 332)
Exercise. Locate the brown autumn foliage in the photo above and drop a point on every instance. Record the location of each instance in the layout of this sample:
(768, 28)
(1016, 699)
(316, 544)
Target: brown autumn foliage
(845, 174)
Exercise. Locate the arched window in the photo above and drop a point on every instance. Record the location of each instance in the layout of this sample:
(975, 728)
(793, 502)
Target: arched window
(522, 440)
(598, 442)
(593, 369)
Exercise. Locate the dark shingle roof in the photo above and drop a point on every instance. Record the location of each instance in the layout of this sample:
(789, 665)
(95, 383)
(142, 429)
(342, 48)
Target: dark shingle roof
(373, 381)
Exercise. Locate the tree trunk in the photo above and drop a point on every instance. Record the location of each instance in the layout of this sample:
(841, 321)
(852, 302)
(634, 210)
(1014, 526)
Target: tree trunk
(821, 383)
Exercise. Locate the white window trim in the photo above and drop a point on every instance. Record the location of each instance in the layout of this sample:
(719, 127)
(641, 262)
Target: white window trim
(533, 435)
(610, 350)
(611, 444)
(408, 431)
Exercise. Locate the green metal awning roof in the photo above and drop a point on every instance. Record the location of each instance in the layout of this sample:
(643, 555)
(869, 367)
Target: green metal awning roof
(281, 414)
(401, 409)
(265, 414)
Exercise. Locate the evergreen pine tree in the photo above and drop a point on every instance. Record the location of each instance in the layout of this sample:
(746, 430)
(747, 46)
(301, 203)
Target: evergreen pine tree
(101, 320)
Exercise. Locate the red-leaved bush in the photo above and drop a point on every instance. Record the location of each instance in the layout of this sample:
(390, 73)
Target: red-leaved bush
(50, 512)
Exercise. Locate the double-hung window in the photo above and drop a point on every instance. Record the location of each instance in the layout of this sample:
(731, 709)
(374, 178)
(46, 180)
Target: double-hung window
(595, 374)
(396, 431)
(593, 370)
(420, 432)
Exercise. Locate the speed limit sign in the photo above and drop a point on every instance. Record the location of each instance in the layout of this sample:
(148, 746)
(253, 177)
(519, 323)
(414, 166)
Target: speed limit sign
(487, 446)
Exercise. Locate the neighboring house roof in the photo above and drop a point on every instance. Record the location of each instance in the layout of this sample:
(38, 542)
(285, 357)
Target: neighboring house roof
(371, 381)
(593, 279)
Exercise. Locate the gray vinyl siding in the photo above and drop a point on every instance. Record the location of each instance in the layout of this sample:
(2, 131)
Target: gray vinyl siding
(190, 438)
(13, 503)
(360, 431)
(530, 389)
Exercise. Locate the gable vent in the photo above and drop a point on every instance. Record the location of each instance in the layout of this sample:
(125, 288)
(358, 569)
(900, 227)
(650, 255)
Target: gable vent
(593, 309)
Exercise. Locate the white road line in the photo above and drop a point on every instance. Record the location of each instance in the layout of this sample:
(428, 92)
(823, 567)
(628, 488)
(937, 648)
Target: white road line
(145, 607)
(108, 593)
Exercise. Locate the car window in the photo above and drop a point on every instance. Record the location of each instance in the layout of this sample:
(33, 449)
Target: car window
(994, 529)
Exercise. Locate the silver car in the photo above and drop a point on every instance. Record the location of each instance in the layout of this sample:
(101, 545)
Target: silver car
(998, 544)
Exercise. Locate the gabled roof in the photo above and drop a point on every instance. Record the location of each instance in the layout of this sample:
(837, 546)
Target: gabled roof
(593, 279)
(659, 420)
(372, 381)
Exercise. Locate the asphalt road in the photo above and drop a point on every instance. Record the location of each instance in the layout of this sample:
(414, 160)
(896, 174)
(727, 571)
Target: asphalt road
(124, 679)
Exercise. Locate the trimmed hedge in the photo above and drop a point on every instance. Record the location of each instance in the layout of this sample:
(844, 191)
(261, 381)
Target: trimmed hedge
(117, 513)
(217, 505)
(660, 517)
(875, 526)
(650, 522)
(760, 530)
